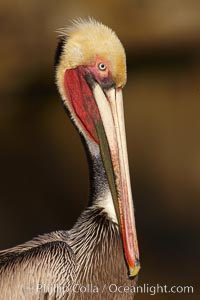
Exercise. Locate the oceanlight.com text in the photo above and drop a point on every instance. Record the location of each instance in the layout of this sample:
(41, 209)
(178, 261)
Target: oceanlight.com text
(152, 289)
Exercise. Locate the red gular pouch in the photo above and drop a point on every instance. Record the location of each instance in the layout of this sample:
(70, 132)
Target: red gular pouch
(79, 94)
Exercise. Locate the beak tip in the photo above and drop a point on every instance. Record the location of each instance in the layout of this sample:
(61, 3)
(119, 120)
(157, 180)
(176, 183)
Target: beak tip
(133, 271)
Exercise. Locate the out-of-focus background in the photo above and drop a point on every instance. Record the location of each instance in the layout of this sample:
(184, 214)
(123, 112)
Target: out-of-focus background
(43, 170)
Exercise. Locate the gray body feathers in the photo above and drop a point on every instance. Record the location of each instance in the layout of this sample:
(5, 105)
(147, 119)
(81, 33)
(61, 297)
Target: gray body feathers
(57, 265)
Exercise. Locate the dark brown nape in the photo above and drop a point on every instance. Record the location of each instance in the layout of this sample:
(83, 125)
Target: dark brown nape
(59, 50)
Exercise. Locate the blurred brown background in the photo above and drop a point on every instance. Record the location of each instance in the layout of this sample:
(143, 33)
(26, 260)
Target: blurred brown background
(44, 175)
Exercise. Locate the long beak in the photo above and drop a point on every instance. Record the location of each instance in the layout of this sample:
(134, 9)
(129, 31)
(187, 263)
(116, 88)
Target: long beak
(100, 115)
(112, 140)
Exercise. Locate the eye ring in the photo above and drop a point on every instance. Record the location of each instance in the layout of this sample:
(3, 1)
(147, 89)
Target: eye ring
(102, 66)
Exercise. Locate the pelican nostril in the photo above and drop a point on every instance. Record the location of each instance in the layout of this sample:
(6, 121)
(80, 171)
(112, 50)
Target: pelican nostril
(107, 83)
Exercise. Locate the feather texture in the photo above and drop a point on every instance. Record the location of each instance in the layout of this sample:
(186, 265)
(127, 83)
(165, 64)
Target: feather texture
(58, 264)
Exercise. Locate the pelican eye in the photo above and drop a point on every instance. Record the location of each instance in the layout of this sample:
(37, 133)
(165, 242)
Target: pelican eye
(102, 66)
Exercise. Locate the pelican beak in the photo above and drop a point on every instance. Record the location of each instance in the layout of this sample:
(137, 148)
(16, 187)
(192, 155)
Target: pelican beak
(100, 114)
(112, 140)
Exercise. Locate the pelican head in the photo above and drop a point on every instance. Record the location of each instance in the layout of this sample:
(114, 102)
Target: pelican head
(90, 75)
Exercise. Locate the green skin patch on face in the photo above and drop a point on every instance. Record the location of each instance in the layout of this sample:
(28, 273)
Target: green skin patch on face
(107, 161)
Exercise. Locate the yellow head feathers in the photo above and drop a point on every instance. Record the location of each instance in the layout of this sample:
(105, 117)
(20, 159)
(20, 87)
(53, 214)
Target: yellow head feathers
(88, 39)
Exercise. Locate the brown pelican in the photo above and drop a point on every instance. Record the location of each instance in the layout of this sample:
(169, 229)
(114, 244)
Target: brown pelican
(96, 258)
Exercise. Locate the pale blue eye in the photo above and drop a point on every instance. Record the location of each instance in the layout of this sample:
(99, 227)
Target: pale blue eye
(102, 67)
